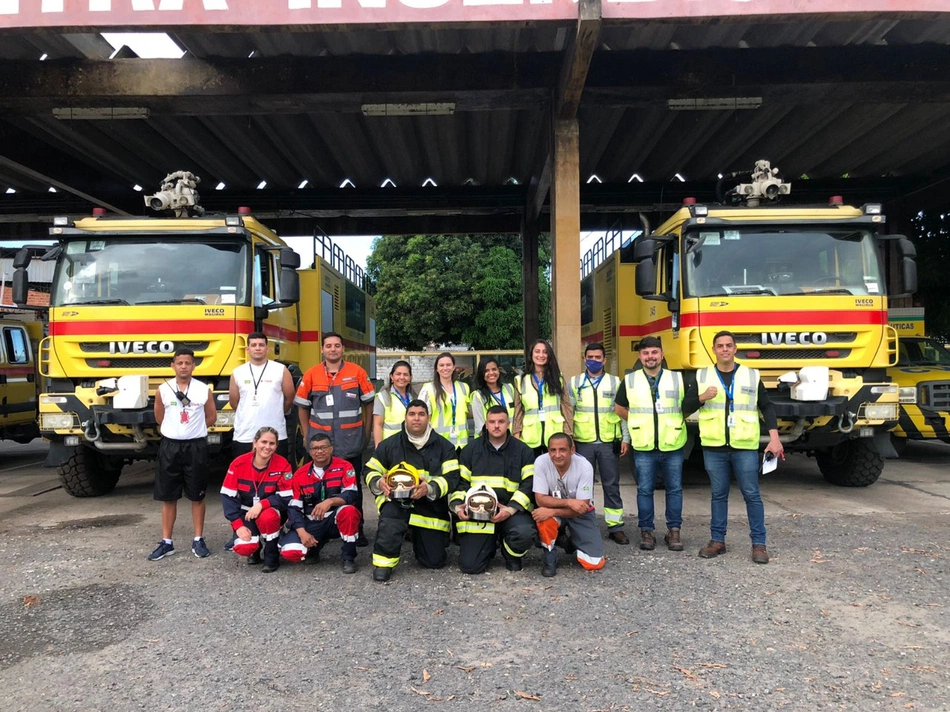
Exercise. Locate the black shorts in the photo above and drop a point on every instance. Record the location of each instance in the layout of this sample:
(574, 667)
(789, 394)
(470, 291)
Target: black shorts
(237, 449)
(182, 468)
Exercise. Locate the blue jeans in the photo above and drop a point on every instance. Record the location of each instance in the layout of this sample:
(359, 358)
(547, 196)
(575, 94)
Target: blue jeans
(744, 465)
(648, 463)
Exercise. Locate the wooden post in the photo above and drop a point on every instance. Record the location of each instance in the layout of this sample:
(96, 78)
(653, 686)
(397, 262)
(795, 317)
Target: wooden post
(566, 247)
(530, 282)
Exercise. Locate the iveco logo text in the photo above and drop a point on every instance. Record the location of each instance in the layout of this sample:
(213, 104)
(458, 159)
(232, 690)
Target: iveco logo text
(141, 347)
(794, 337)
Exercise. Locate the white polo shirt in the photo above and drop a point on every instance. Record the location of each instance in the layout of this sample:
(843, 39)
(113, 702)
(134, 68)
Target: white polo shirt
(577, 483)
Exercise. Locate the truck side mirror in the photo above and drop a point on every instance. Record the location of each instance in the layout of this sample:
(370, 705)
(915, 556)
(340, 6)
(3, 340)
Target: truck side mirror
(644, 248)
(289, 279)
(908, 255)
(646, 278)
(21, 286)
(22, 259)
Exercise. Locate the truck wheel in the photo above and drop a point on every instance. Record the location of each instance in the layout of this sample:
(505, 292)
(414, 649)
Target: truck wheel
(88, 474)
(299, 453)
(853, 463)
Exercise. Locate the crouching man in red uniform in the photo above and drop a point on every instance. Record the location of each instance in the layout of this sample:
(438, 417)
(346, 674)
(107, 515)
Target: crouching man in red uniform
(254, 496)
(322, 507)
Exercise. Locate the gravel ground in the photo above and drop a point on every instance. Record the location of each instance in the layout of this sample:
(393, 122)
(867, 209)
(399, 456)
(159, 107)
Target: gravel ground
(851, 615)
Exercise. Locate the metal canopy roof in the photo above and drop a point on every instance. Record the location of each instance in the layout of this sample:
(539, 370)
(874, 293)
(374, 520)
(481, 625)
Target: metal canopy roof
(866, 98)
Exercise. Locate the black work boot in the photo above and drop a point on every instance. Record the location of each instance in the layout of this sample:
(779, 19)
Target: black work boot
(549, 568)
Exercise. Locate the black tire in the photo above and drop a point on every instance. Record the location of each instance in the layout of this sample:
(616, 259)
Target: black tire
(299, 454)
(853, 463)
(88, 474)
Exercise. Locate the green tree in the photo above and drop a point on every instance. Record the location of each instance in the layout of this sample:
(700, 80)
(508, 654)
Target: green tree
(452, 289)
(932, 240)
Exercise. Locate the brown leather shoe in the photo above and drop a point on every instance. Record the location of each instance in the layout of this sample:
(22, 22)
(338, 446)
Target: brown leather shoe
(620, 537)
(712, 549)
(647, 540)
(672, 540)
(759, 554)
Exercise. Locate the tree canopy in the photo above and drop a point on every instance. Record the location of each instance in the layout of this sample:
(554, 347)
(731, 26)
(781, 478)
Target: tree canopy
(452, 289)
(932, 240)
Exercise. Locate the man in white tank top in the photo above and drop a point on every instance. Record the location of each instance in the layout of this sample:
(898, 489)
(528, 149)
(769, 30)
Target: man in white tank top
(261, 392)
(184, 409)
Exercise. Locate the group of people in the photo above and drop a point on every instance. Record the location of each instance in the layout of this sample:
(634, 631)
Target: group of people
(505, 465)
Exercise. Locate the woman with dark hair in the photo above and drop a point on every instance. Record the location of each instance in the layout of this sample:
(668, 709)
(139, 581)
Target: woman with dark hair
(389, 410)
(544, 407)
(490, 391)
(448, 402)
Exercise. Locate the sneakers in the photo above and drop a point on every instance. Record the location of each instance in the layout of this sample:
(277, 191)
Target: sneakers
(161, 551)
(199, 548)
(620, 537)
(229, 546)
(760, 554)
(382, 573)
(647, 540)
(513, 564)
(349, 567)
(713, 549)
(672, 540)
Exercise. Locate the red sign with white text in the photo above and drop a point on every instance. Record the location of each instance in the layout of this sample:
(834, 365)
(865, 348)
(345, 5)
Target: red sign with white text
(102, 14)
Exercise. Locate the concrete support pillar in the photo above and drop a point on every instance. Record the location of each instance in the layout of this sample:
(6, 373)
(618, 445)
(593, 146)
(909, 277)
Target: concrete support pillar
(566, 246)
(530, 280)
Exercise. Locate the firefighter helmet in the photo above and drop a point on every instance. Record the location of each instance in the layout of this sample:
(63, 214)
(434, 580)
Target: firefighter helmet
(481, 503)
(402, 478)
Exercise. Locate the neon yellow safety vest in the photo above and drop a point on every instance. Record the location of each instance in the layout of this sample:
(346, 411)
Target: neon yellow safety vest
(645, 419)
(482, 405)
(547, 412)
(440, 413)
(595, 418)
(713, 414)
(394, 412)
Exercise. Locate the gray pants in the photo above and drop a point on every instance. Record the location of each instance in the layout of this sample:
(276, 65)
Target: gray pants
(584, 534)
(603, 459)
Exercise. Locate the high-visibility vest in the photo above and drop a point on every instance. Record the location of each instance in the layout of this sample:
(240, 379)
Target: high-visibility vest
(394, 412)
(480, 404)
(660, 426)
(440, 413)
(745, 430)
(549, 409)
(594, 417)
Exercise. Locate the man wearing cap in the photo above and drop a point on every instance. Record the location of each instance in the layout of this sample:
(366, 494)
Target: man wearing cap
(599, 432)
(729, 397)
(650, 400)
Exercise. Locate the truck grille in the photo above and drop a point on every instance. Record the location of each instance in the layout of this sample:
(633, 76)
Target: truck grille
(936, 395)
(834, 337)
(798, 354)
(102, 347)
(149, 362)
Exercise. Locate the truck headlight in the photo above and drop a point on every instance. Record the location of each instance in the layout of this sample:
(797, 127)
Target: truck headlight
(225, 419)
(881, 411)
(52, 400)
(57, 421)
(908, 394)
(877, 390)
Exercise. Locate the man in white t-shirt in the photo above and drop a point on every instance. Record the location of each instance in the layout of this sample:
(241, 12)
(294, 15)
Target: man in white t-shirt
(564, 493)
(184, 408)
(261, 392)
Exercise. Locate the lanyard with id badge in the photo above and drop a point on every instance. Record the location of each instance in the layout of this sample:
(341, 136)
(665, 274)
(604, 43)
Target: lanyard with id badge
(539, 384)
(729, 390)
(256, 383)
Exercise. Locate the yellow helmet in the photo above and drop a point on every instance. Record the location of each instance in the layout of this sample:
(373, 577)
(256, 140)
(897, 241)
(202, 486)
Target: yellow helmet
(481, 503)
(401, 479)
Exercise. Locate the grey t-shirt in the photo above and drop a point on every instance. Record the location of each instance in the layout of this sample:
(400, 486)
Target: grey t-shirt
(577, 483)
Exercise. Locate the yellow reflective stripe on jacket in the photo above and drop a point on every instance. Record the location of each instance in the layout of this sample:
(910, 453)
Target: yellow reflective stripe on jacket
(442, 484)
(522, 499)
(465, 473)
(744, 434)
(449, 465)
(470, 527)
(456, 496)
(381, 499)
(642, 420)
(417, 520)
(496, 482)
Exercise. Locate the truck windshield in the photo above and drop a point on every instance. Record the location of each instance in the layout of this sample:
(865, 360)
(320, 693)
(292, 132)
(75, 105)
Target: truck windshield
(922, 352)
(781, 260)
(151, 270)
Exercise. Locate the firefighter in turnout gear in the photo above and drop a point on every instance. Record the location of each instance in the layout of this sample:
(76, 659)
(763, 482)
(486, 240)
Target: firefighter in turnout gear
(497, 460)
(600, 434)
(254, 496)
(650, 399)
(425, 514)
(322, 507)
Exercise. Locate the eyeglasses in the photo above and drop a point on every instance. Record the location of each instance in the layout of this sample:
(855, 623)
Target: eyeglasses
(319, 448)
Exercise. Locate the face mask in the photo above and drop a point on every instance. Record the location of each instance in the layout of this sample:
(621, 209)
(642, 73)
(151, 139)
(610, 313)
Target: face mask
(595, 366)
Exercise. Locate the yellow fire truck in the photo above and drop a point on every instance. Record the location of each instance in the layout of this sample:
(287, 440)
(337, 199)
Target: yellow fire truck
(802, 289)
(18, 340)
(127, 292)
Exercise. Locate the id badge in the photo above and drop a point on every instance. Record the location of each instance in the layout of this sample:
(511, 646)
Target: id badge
(659, 409)
(256, 500)
(453, 433)
(731, 421)
(541, 416)
(255, 402)
(329, 399)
